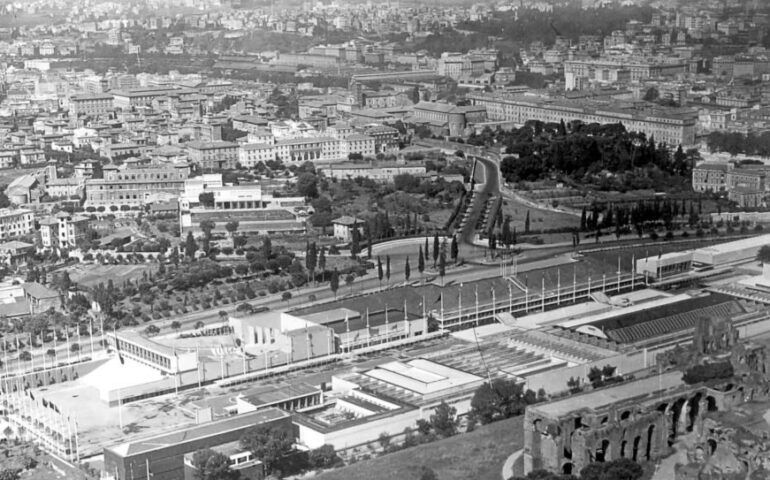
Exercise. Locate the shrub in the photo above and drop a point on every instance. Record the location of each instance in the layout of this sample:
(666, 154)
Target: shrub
(708, 371)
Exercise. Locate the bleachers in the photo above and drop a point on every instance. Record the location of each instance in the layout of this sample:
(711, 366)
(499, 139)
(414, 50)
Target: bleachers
(563, 344)
(500, 359)
(261, 215)
(673, 323)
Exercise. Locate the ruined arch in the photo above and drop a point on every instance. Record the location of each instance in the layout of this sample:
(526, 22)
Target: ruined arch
(650, 442)
(603, 452)
(637, 441)
(676, 412)
(623, 445)
(712, 446)
(625, 415)
(566, 469)
(711, 404)
(693, 410)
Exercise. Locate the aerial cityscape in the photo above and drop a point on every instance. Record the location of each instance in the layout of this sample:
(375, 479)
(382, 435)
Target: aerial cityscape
(345, 240)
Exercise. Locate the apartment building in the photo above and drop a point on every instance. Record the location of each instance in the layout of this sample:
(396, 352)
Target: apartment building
(672, 126)
(709, 177)
(15, 223)
(134, 186)
(306, 149)
(211, 156)
(384, 173)
(91, 105)
(444, 118)
(62, 230)
(605, 70)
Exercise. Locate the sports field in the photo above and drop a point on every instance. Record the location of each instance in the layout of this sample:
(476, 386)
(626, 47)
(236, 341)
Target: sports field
(90, 275)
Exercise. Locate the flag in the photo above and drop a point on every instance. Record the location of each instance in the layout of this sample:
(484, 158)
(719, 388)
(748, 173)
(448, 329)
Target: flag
(438, 299)
(117, 348)
(45, 403)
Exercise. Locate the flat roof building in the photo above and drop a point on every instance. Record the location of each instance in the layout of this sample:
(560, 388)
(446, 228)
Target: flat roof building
(162, 457)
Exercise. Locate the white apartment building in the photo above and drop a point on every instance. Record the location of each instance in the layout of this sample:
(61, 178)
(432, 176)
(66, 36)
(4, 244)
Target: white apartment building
(62, 230)
(15, 222)
(303, 149)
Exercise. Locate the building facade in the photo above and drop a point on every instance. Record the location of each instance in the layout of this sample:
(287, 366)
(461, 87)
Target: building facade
(134, 186)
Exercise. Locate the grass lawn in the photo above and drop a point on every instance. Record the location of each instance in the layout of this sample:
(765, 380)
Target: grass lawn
(539, 219)
(90, 275)
(478, 455)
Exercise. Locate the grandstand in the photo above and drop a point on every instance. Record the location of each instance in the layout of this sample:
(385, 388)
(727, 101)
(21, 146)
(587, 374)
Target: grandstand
(264, 220)
(565, 344)
(646, 325)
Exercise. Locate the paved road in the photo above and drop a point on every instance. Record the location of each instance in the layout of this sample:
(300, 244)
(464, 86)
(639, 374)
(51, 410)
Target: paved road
(490, 187)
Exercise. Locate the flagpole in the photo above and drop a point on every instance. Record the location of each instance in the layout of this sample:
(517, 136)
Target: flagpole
(67, 335)
(476, 293)
(460, 304)
(91, 334)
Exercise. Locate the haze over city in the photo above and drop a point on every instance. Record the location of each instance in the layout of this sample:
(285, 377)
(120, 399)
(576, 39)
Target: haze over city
(337, 240)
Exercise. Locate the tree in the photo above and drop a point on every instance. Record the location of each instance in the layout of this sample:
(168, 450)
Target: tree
(349, 278)
(407, 269)
(307, 185)
(435, 248)
(231, 228)
(211, 465)
(267, 444)
(618, 469)
(152, 330)
(355, 243)
(526, 223)
(387, 267)
(207, 226)
(444, 420)
(322, 262)
(25, 356)
(763, 255)
(190, 246)
(442, 266)
(379, 270)
(505, 398)
(323, 457)
(454, 249)
(286, 296)
(10, 474)
(176, 325)
(267, 248)
(311, 259)
(421, 262)
(206, 199)
(334, 282)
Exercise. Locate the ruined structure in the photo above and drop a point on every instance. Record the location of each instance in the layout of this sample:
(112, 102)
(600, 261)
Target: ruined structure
(637, 420)
(641, 419)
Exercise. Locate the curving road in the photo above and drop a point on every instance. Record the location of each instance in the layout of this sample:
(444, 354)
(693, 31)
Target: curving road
(491, 185)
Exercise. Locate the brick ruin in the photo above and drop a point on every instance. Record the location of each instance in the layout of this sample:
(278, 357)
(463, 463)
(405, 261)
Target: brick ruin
(642, 425)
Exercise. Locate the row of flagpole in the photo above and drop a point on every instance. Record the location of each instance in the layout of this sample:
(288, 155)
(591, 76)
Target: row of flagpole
(42, 419)
(557, 292)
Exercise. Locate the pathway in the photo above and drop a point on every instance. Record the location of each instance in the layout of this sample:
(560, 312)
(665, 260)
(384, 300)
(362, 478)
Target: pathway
(509, 463)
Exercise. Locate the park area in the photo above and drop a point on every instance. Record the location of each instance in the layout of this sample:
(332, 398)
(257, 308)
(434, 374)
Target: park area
(88, 275)
(478, 455)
